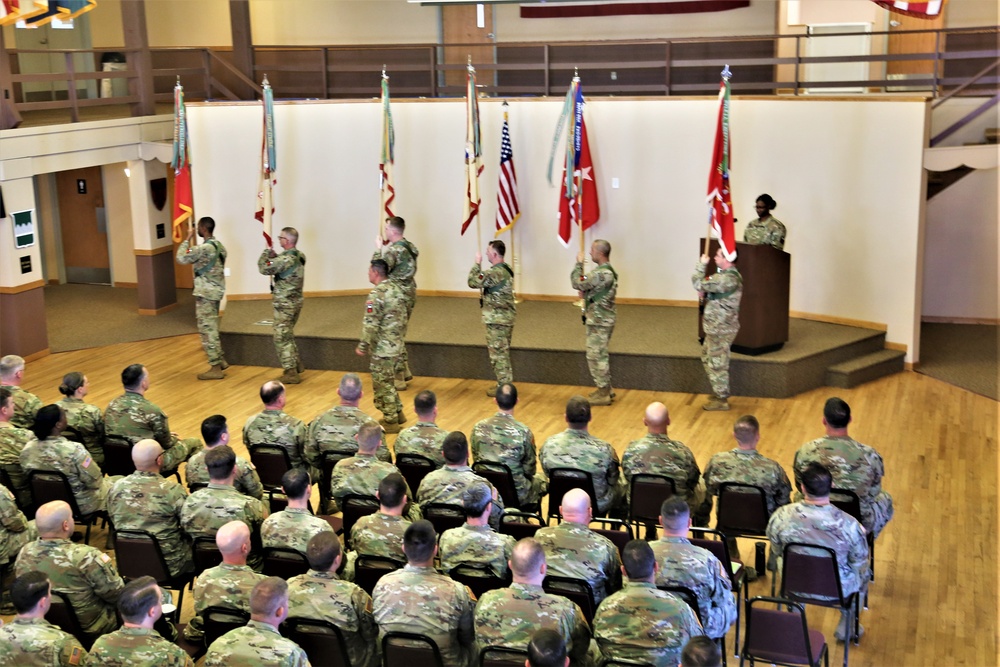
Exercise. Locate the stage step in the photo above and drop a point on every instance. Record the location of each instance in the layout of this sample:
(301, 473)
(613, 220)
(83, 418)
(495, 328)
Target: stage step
(851, 373)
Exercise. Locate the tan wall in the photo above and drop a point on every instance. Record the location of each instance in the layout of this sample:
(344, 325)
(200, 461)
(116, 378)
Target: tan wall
(116, 194)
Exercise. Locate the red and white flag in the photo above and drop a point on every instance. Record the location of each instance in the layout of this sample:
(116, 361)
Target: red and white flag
(720, 203)
(181, 162)
(920, 10)
(508, 207)
(473, 152)
(582, 201)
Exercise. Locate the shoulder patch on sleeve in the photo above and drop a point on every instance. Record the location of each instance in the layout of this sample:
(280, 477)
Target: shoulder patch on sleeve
(369, 306)
(75, 655)
(87, 461)
(105, 558)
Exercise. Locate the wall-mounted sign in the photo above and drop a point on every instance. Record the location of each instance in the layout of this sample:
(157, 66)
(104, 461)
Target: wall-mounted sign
(26, 264)
(81, 186)
(24, 228)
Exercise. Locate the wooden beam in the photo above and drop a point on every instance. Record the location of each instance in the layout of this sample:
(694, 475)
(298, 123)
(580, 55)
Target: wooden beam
(9, 117)
(239, 17)
(138, 57)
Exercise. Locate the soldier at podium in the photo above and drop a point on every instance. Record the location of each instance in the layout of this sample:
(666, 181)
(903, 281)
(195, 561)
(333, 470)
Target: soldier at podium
(766, 229)
(721, 322)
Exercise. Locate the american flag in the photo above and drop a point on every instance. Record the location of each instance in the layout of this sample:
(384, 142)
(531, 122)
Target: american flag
(508, 208)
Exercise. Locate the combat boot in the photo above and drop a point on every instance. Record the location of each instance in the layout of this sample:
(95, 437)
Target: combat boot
(401, 417)
(390, 426)
(213, 373)
(716, 404)
(290, 376)
(601, 397)
(492, 391)
(399, 381)
(223, 363)
(407, 375)
(299, 366)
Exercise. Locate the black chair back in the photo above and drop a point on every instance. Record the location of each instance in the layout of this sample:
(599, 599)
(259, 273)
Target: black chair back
(781, 637)
(217, 621)
(322, 641)
(810, 575)
(138, 553)
(742, 510)
(500, 476)
(284, 563)
(647, 494)
(562, 480)
(205, 554)
(406, 649)
(369, 569)
(519, 524)
(444, 516)
(62, 615)
(478, 577)
(7, 473)
(413, 468)
(49, 485)
(499, 656)
(353, 507)
(620, 534)
(329, 462)
(272, 462)
(117, 457)
(577, 590)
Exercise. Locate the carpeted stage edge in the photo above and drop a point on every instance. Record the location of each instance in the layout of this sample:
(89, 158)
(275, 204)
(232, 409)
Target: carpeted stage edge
(653, 347)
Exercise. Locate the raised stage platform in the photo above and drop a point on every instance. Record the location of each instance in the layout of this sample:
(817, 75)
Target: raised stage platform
(653, 347)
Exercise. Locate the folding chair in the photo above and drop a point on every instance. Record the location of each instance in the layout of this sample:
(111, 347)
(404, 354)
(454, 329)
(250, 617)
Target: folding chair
(369, 569)
(620, 533)
(138, 553)
(500, 476)
(742, 510)
(577, 590)
(284, 563)
(329, 461)
(413, 468)
(646, 494)
(217, 621)
(271, 462)
(782, 637)
(691, 599)
(562, 480)
(205, 554)
(848, 501)
(354, 506)
(478, 577)
(519, 524)
(49, 485)
(7, 474)
(62, 615)
(501, 656)
(117, 457)
(322, 641)
(718, 544)
(404, 649)
(444, 516)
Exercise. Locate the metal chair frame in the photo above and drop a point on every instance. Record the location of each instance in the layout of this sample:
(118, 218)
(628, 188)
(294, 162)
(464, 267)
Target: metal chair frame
(316, 642)
(389, 658)
(807, 635)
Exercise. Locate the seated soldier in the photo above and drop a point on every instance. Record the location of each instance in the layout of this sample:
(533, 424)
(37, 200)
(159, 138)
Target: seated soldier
(29, 639)
(474, 542)
(381, 534)
(15, 529)
(446, 484)
(13, 439)
(425, 437)
(215, 431)
(362, 473)
(293, 527)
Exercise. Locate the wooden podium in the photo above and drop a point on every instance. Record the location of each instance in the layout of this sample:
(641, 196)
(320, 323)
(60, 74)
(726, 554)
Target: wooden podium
(764, 308)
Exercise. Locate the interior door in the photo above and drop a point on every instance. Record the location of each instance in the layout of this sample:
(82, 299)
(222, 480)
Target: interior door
(84, 226)
(460, 24)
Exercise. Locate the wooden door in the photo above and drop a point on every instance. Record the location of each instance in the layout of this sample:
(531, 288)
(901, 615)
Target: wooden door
(83, 225)
(919, 43)
(459, 25)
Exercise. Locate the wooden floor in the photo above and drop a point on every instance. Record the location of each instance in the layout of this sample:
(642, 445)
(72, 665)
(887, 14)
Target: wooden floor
(934, 601)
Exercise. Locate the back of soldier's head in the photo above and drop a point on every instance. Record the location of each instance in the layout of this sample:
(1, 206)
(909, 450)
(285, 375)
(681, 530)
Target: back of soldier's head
(212, 429)
(350, 387)
(674, 513)
(28, 590)
(392, 490)
(476, 498)
(547, 648)
(578, 411)
(369, 438)
(419, 541)
(506, 396)
(746, 429)
(267, 596)
(295, 483)
(270, 391)
(132, 376)
(455, 448)
(137, 598)
(638, 559)
(837, 412)
(701, 651)
(396, 223)
(527, 558)
(380, 267)
(10, 365)
(322, 550)
(220, 462)
(816, 480)
(45, 421)
(424, 402)
(6, 395)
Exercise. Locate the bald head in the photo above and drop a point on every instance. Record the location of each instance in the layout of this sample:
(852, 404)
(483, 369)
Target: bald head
(144, 455)
(54, 519)
(232, 538)
(575, 506)
(657, 418)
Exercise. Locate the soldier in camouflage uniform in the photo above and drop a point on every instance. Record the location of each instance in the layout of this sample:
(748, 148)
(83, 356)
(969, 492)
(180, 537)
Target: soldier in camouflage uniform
(813, 520)
(145, 500)
(577, 448)
(259, 642)
(226, 585)
(84, 422)
(206, 510)
(55, 453)
(474, 542)
(854, 466)
(381, 534)
(362, 473)
(209, 260)
(382, 337)
(131, 417)
(215, 431)
(720, 321)
(503, 439)
(765, 229)
(320, 595)
(15, 529)
(508, 617)
(496, 299)
(683, 564)
(425, 437)
(598, 289)
(420, 600)
(275, 427)
(447, 484)
(82, 573)
(401, 258)
(657, 454)
(29, 639)
(26, 404)
(136, 643)
(335, 431)
(288, 271)
(640, 622)
(292, 527)
(13, 440)
(574, 550)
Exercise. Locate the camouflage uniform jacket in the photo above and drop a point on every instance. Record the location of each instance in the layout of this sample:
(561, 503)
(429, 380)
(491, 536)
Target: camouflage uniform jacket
(247, 480)
(334, 431)
(723, 292)
(292, 528)
(579, 449)
(683, 564)
(147, 501)
(508, 617)
(224, 585)
(83, 574)
(274, 427)
(206, 510)
(289, 271)
(360, 475)
(765, 232)
(385, 321)
(401, 256)
(423, 601)
(423, 438)
(13, 440)
(827, 526)
(70, 458)
(644, 624)
(503, 439)
(380, 534)
(657, 454)
(496, 285)
(136, 647)
(132, 418)
(322, 596)
(84, 424)
(258, 644)
(26, 405)
(599, 288)
(480, 545)
(854, 466)
(15, 530)
(209, 260)
(749, 467)
(446, 485)
(574, 550)
(34, 642)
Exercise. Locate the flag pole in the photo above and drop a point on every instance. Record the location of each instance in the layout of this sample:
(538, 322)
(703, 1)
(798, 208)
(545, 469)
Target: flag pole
(726, 75)
(381, 181)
